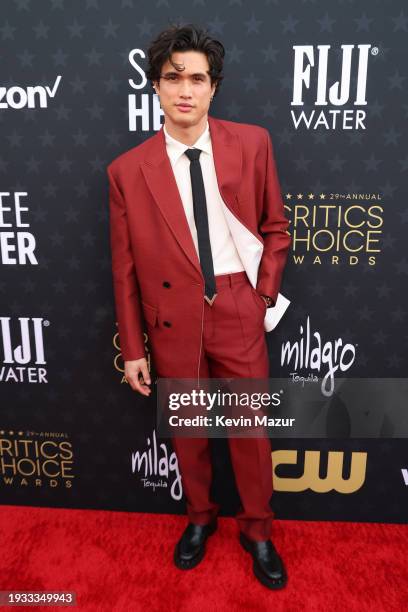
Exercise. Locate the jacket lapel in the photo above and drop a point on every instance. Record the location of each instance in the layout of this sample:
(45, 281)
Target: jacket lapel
(228, 162)
(162, 184)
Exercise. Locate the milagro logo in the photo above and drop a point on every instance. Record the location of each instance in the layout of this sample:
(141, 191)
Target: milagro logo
(32, 96)
(309, 353)
(157, 466)
(311, 70)
(23, 351)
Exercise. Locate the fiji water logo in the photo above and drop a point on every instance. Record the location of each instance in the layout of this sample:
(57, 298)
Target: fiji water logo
(312, 66)
(158, 467)
(311, 353)
(23, 351)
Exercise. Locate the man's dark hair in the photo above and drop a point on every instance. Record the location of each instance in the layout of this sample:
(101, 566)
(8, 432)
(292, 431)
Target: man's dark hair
(185, 38)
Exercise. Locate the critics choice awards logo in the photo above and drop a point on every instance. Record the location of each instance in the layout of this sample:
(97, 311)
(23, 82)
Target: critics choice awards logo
(335, 228)
(37, 459)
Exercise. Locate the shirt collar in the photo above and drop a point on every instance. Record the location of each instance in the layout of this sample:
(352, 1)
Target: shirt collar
(175, 148)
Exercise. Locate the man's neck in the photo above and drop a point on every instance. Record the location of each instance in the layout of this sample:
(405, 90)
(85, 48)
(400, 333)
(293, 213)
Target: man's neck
(187, 135)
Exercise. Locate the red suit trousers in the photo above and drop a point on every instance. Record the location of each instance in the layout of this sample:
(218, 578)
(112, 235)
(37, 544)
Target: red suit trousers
(233, 346)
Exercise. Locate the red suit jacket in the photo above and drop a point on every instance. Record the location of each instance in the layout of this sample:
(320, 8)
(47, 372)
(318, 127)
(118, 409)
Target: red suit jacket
(157, 277)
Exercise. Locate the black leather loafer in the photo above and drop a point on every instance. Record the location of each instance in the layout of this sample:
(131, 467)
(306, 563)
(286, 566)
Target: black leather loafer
(268, 566)
(190, 549)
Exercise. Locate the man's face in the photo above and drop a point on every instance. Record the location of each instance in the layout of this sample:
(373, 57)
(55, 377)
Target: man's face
(185, 95)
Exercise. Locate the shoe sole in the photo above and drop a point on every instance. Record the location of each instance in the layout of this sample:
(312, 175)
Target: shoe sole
(191, 563)
(268, 582)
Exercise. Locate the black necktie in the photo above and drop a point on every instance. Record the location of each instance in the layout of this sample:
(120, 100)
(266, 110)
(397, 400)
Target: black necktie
(201, 221)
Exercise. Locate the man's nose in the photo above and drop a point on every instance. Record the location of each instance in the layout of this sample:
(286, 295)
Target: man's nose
(185, 89)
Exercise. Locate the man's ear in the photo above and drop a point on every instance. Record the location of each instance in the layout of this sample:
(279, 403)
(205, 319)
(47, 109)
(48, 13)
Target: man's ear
(156, 86)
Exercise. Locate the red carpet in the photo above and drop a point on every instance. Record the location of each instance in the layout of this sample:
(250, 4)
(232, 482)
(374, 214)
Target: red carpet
(117, 561)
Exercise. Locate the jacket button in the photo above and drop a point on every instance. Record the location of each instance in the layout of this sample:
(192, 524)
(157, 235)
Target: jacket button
(166, 323)
(166, 284)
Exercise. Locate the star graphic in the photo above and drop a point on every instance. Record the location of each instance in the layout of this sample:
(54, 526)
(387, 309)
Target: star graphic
(270, 54)
(26, 58)
(33, 164)
(110, 29)
(94, 57)
(252, 25)
(41, 30)
(76, 29)
(400, 22)
(289, 24)
(396, 80)
(7, 31)
(59, 58)
(391, 136)
(234, 54)
(372, 163)
(363, 23)
(326, 24)
(216, 26)
(78, 85)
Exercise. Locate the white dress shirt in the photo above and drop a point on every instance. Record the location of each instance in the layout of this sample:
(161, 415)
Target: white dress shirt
(224, 252)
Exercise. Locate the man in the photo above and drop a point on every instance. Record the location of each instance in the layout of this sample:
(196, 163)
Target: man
(199, 244)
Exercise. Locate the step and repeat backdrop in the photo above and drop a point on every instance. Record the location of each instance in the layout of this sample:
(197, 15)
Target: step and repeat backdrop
(329, 82)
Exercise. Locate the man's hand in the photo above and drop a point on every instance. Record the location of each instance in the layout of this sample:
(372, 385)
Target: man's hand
(268, 301)
(132, 371)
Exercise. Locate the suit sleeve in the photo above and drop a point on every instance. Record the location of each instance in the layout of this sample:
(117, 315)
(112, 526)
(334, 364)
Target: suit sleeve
(126, 291)
(272, 227)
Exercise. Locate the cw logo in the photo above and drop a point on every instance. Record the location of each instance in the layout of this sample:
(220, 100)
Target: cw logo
(310, 478)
